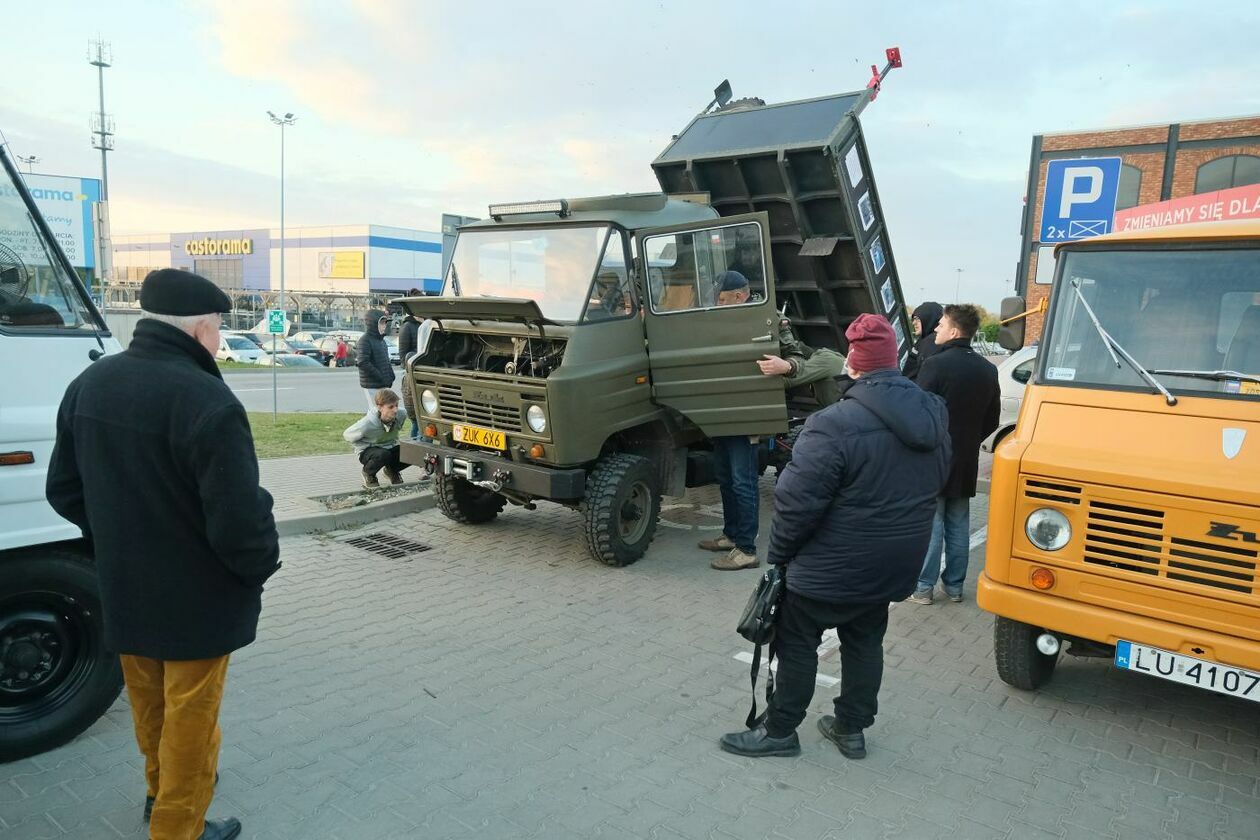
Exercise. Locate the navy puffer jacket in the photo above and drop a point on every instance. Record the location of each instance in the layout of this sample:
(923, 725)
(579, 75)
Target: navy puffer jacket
(853, 510)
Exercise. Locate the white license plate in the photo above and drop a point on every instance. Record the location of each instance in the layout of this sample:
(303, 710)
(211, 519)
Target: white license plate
(1187, 670)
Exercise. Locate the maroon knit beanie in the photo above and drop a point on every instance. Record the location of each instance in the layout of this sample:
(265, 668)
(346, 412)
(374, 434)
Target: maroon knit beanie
(872, 345)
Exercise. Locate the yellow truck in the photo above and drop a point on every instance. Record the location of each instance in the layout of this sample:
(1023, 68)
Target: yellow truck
(1124, 516)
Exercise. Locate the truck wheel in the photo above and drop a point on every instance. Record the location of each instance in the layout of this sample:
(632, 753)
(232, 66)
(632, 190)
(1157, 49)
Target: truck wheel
(1019, 663)
(621, 508)
(56, 678)
(783, 451)
(462, 501)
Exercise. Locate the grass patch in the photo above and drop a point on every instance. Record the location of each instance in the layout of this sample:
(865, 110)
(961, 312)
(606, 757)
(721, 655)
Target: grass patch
(300, 433)
(264, 368)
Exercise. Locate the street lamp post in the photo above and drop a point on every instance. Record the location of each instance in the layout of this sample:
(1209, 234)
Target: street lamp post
(30, 161)
(287, 119)
(957, 283)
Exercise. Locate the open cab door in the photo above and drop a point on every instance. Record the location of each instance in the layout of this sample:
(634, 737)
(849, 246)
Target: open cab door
(704, 344)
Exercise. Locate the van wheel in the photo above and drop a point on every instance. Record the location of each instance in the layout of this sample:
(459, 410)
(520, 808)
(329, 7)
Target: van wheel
(1019, 663)
(620, 509)
(56, 678)
(462, 501)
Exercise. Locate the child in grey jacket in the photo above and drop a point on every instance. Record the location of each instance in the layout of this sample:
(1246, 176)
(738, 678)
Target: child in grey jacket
(375, 439)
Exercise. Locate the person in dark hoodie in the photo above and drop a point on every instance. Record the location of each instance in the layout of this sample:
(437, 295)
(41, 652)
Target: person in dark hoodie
(407, 344)
(375, 370)
(924, 320)
(852, 516)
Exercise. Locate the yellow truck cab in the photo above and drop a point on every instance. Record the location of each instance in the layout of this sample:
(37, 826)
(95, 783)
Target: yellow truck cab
(1124, 516)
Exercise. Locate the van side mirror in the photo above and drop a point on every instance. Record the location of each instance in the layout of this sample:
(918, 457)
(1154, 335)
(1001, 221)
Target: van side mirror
(1011, 332)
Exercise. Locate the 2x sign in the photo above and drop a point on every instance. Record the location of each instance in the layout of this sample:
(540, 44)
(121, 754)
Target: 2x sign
(1080, 198)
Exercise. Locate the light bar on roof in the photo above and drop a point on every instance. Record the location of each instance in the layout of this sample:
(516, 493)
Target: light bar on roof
(559, 207)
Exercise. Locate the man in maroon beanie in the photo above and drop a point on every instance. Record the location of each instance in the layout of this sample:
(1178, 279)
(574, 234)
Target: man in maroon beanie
(852, 518)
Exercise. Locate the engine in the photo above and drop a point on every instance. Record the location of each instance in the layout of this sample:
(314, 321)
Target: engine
(509, 355)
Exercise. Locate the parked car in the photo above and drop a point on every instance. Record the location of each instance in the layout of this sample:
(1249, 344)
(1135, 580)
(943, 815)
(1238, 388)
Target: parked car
(289, 360)
(328, 344)
(391, 341)
(313, 336)
(306, 348)
(237, 348)
(1013, 375)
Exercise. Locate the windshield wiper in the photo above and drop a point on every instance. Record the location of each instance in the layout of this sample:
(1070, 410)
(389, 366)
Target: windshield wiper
(454, 280)
(1114, 347)
(1218, 375)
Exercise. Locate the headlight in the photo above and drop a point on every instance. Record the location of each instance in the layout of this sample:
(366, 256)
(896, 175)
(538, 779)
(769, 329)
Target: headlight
(428, 401)
(1048, 529)
(536, 418)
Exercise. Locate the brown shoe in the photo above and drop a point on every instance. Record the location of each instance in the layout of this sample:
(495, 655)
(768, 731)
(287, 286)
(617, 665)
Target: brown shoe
(735, 561)
(394, 476)
(369, 480)
(722, 543)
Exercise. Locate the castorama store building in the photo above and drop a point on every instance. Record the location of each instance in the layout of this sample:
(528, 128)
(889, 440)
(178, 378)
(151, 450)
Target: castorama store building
(349, 259)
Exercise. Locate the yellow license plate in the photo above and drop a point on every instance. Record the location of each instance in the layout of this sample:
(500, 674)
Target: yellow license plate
(474, 436)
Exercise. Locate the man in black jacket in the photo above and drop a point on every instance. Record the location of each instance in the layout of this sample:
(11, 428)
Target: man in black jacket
(969, 386)
(155, 463)
(852, 514)
(924, 320)
(375, 370)
(407, 344)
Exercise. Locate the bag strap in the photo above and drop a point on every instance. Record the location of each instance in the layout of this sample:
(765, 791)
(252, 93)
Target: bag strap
(754, 720)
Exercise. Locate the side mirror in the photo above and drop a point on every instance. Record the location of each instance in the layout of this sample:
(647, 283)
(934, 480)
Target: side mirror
(1011, 333)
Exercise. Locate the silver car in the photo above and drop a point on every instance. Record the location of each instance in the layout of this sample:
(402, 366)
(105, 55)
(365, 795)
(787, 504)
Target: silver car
(1013, 374)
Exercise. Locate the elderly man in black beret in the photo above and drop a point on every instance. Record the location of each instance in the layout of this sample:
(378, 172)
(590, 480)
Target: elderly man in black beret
(155, 463)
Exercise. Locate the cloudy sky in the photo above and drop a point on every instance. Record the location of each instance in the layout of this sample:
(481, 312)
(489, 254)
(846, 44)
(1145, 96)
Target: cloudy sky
(410, 108)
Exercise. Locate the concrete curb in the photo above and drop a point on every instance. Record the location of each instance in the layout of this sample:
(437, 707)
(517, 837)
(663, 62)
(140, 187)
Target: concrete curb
(353, 517)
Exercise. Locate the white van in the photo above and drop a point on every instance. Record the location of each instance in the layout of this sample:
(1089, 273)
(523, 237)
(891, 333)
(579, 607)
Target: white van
(56, 678)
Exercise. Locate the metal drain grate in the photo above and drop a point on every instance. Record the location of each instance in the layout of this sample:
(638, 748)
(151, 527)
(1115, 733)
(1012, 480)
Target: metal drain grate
(387, 545)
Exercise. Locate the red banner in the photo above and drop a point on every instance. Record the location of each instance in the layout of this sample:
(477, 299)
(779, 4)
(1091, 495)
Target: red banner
(1220, 206)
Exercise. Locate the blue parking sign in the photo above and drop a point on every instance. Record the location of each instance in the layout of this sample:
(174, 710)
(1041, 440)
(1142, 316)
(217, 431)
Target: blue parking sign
(1080, 198)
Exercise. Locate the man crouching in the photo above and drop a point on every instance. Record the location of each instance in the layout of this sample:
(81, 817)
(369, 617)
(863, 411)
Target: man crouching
(852, 516)
(375, 439)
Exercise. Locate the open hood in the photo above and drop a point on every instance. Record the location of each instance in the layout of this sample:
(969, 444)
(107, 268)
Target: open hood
(515, 310)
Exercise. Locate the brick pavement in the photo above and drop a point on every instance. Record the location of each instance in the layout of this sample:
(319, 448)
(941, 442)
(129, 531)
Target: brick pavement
(503, 685)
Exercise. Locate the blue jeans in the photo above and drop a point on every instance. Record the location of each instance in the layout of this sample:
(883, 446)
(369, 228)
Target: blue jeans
(735, 464)
(951, 526)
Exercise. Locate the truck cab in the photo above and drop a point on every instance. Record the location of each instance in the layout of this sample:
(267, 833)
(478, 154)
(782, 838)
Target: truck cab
(56, 678)
(1125, 506)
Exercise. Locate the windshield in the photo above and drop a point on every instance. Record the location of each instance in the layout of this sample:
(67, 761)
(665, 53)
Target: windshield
(241, 343)
(1184, 314)
(553, 266)
(36, 291)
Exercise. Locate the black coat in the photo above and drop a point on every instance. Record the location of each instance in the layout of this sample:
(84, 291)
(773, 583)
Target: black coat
(155, 463)
(407, 337)
(853, 510)
(969, 385)
(929, 315)
(375, 369)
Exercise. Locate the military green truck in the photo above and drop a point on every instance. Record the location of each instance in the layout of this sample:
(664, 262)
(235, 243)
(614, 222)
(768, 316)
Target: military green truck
(579, 353)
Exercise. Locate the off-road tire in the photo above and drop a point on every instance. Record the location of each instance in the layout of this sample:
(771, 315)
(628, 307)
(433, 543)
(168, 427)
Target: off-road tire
(81, 678)
(1019, 663)
(619, 485)
(462, 501)
(789, 443)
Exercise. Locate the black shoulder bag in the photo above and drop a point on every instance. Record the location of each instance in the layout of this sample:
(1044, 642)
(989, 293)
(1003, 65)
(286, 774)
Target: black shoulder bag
(757, 626)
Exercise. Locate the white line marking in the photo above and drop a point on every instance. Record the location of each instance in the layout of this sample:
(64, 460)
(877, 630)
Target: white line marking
(978, 538)
(243, 390)
(822, 679)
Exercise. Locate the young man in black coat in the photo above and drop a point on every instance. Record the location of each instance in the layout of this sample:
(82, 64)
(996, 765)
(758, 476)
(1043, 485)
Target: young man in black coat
(375, 369)
(408, 340)
(852, 516)
(969, 385)
(155, 463)
(924, 320)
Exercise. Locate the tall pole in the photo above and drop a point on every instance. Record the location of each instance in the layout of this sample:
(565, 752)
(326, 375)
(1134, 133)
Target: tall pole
(99, 56)
(287, 119)
(957, 283)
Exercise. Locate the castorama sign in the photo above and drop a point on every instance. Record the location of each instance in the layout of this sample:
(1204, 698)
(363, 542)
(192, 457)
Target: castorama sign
(66, 204)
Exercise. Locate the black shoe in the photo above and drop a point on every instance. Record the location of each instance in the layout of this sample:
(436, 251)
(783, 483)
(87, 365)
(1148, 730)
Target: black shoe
(852, 745)
(394, 476)
(369, 480)
(756, 743)
(148, 801)
(224, 829)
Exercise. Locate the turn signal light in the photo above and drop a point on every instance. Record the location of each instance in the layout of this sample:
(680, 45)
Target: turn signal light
(537, 451)
(16, 459)
(640, 380)
(1042, 578)
(430, 431)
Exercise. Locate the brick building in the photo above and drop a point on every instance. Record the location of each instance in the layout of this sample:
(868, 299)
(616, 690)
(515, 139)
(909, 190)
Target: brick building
(1159, 162)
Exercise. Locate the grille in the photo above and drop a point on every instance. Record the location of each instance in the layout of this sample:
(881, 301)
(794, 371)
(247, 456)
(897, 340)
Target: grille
(388, 545)
(1133, 539)
(1050, 492)
(452, 406)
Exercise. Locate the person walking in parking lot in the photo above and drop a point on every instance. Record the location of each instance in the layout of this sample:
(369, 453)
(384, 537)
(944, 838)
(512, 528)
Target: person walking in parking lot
(375, 370)
(852, 516)
(182, 544)
(969, 385)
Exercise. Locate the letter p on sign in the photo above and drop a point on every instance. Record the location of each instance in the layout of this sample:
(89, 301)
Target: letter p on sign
(1092, 176)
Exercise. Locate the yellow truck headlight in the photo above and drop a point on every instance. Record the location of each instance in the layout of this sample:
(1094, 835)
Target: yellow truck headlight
(1048, 529)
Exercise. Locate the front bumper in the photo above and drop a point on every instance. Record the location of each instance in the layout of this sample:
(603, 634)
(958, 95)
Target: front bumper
(486, 469)
(1100, 624)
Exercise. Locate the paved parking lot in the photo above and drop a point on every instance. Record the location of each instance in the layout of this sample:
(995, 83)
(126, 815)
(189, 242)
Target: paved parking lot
(503, 685)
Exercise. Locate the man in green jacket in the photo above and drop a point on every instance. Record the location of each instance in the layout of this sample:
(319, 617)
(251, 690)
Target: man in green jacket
(801, 365)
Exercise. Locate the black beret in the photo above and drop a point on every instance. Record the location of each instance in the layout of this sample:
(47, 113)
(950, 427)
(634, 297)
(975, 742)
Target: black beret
(731, 281)
(173, 291)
